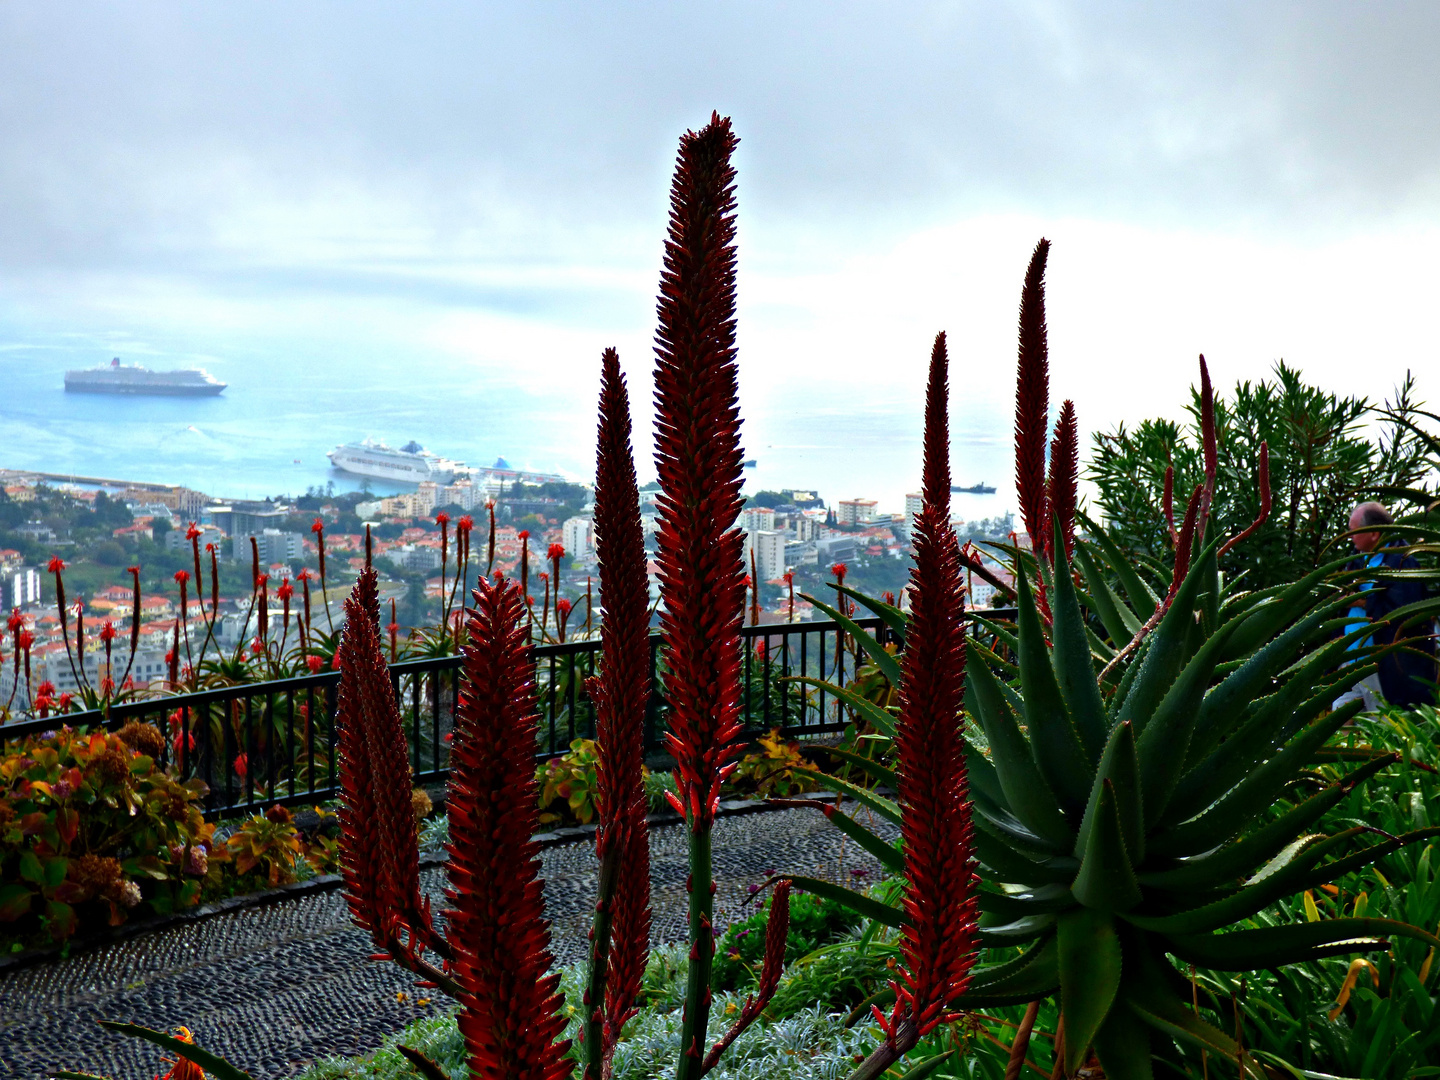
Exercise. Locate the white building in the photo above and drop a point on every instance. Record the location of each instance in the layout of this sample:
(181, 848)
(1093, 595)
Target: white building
(855, 511)
(578, 536)
(462, 493)
(209, 534)
(757, 519)
(769, 549)
(914, 503)
(149, 667)
(274, 546)
(19, 587)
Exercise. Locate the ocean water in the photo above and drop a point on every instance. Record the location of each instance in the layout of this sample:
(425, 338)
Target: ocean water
(268, 433)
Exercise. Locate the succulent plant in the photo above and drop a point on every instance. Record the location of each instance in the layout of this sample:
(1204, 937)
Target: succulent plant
(1133, 779)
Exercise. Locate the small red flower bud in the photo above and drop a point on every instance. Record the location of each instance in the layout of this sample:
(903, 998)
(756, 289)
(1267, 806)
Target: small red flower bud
(192, 532)
(524, 534)
(107, 631)
(465, 524)
(56, 564)
(556, 551)
(182, 576)
(318, 526)
(286, 590)
(314, 663)
(442, 518)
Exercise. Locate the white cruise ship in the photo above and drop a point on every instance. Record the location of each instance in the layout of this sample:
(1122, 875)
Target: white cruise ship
(411, 464)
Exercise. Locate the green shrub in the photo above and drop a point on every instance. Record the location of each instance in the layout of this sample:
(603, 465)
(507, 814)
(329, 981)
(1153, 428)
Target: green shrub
(814, 921)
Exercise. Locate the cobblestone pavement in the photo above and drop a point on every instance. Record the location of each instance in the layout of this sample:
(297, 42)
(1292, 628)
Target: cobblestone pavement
(273, 988)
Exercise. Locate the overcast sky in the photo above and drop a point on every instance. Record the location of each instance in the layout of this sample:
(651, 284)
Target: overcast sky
(486, 183)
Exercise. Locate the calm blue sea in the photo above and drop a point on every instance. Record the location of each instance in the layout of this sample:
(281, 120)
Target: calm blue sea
(268, 433)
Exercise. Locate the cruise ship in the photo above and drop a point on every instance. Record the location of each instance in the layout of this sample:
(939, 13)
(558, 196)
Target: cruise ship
(118, 378)
(411, 464)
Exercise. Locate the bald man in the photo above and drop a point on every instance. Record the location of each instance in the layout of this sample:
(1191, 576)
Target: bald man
(1406, 675)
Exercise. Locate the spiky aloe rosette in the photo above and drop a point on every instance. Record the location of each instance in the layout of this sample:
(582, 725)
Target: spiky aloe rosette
(1148, 784)
(621, 939)
(501, 941)
(698, 461)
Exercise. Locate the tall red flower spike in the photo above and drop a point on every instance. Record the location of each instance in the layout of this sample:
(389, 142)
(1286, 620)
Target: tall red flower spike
(1207, 443)
(620, 946)
(510, 1008)
(777, 929)
(699, 464)
(938, 947)
(1064, 478)
(379, 854)
(1032, 400)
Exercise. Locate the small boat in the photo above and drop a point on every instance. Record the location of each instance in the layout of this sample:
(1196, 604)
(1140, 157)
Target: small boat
(974, 489)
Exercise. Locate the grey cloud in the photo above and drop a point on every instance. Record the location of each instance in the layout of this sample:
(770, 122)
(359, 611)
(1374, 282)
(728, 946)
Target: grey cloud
(137, 133)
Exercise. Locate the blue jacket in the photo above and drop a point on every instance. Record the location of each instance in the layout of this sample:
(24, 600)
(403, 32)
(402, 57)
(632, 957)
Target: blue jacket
(1405, 678)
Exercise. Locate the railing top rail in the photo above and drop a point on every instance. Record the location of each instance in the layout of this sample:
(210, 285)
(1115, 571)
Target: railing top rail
(323, 680)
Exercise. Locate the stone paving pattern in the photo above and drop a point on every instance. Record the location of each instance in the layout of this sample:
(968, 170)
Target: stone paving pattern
(273, 988)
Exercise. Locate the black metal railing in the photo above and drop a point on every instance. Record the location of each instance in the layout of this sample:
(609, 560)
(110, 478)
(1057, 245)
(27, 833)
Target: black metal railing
(261, 743)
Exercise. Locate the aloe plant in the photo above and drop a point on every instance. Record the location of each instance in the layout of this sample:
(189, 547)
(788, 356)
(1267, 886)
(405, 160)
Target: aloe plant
(1128, 746)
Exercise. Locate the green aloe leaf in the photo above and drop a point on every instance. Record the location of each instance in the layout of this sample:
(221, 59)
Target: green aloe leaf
(881, 719)
(862, 905)
(1000, 935)
(1149, 994)
(1035, 974)
(1003, 635)
(1265, 888)
(1090, 960)
(1006, 827)
(1163, 744)
(1120, 767)
(1011, 906)
(1238, 860)
(204, 1058)
(886, 662)
(1224, 704)
(1168, 651)
(1253, 794)
(889, 614)
(1106, 879)
(1275, 946)
(1142, 599)
(881, 805)
(1006, 866)
(872, 769)
(1072, 658)
(982, 774)
(1123, 1045)
(1027, 793)
(1054, 740)
(1119, 621)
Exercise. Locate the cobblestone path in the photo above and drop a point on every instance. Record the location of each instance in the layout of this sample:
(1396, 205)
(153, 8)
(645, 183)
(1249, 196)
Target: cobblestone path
(272, 988)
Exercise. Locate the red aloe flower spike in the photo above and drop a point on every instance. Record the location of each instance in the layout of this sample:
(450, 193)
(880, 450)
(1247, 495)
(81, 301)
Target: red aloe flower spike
(369, 550)
(1032, 400)
(285, 592)
(587, 605)
(192, 533)
(777, 928)
(303, 624)
(938, 946)
(562, 615)
(80, 634)
(490, 554)
(1167, 504)
(379, 853)
(394, 628)
(57, 567)
(510, 1008)
(1064, 477)
(107, 638)
(134, 572)
(172, 659)
(620, 944)
(790, 585)
(698, 461)
(318, 528)
(525, 574)
(1263, 467)
(262, 619)
(1207, 441)
(182, 577)
(754, 591)
(463, 528)
(545, 607)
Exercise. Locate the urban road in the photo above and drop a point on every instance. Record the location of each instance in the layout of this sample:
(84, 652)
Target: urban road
(274, 987)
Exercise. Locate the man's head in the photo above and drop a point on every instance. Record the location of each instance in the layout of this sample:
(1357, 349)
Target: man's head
(1367, 513)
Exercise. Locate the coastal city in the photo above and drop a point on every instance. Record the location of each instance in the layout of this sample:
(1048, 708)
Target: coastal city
(99, 529)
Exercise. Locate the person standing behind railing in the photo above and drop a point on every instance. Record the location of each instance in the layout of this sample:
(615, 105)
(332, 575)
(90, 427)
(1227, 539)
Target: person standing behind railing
(1407, 674)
